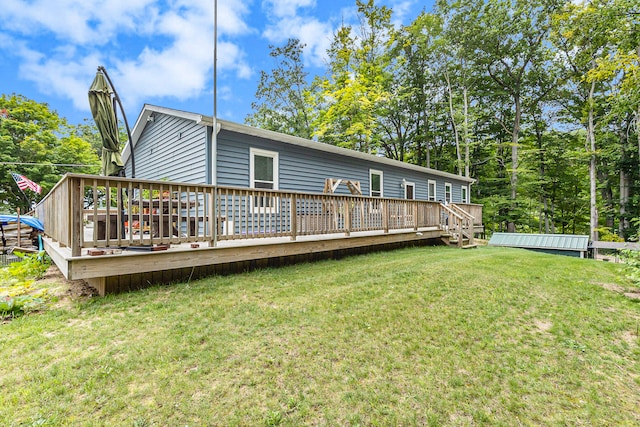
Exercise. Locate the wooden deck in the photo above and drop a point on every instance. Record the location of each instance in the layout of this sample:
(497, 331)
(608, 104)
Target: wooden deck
(206, 230)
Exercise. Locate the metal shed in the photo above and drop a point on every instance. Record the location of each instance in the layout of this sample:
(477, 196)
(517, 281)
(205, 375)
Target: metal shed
(557, 244)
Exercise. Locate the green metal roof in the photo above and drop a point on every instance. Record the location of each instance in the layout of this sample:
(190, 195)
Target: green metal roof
(562, 242)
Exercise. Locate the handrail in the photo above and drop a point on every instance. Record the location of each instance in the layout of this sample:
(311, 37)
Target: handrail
(461, 211)
(84, 211)
(463, 224)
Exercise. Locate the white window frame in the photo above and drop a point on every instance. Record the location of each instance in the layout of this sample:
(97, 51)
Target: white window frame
(464, 194)
(376, 172)
(448, 194)
(408, 184)
(272, 207)
(431, 196)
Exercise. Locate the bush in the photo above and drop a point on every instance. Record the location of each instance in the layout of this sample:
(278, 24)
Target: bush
(632, 259)
(17, 293)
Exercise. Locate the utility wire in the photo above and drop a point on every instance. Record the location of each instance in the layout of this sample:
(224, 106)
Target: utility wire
(75, 165)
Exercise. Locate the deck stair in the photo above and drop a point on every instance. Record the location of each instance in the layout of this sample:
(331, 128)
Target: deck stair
(459, 226)
(451, 240)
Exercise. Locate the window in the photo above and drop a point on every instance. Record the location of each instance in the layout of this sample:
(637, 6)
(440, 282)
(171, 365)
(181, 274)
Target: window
(464, 197)
(375, 183)
(263, 167)
(447, 192)
(432, 190)
(409, 190)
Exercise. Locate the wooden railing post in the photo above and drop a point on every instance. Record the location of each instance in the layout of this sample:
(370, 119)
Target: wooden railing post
(294, 217)
(384, 207)
(214, 220)
(75, 217)
(348, 205)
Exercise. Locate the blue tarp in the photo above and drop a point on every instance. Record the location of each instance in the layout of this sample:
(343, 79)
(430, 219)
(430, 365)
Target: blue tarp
(25, 219)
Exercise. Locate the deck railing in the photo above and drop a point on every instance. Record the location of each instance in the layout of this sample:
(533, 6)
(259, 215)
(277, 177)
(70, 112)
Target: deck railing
(87, 211)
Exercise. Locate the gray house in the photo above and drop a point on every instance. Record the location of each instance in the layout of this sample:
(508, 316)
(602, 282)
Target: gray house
(175, 145)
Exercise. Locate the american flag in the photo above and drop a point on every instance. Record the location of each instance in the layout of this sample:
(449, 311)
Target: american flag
(24, 183)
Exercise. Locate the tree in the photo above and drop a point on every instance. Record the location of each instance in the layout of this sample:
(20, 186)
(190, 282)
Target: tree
(581, 36)
(621, 67)
(412, 108)
(509, 38)
(351, 98)
(281, 94)
(34, 140)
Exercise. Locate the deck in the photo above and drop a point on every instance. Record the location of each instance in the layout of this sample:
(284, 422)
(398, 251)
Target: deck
(120, 234)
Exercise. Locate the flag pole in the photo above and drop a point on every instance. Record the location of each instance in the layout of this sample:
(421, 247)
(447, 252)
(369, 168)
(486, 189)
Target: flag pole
(13, 175)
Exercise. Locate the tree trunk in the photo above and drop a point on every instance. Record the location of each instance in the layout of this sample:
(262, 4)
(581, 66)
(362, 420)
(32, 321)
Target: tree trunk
(623, 223)
(638, 117)
(511, 227)
(466, 131)
(453, 124)
(591, 147)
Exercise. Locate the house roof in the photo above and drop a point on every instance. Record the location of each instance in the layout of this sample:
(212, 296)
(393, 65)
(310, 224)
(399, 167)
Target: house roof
(562, 242)
(148, 110)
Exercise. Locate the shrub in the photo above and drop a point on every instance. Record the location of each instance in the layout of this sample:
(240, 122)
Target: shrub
(17, 293)
(632, 259)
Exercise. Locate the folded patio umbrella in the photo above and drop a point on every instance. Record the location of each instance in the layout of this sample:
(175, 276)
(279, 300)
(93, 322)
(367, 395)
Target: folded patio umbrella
(103, 111)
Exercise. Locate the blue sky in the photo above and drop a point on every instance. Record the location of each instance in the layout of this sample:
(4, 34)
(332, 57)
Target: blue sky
(161, 51)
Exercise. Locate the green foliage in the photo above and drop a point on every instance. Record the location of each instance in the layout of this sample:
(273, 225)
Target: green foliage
(502, 88)
(632, 259)
(32, 266)
(33, 138)
(18, 295)
(281, 105)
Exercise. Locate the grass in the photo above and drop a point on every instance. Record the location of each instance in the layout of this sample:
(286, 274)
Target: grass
(423, 336)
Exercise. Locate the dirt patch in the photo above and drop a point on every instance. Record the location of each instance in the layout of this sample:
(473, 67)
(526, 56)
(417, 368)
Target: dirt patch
(66, 288)
(612, 287)
(633, 294)
(543, 325)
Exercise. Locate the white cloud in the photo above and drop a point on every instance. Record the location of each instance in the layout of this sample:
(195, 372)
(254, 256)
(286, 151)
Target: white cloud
(403, 10)
(75, 21)
(150, 48)
(316, 35)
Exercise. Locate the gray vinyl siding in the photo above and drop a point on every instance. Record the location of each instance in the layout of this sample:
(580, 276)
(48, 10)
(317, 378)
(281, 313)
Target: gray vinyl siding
(175, 148)
(305, 170)
(171, 148)
(233, 160)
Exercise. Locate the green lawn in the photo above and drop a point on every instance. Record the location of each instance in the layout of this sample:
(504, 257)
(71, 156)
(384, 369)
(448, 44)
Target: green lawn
(422, 336)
